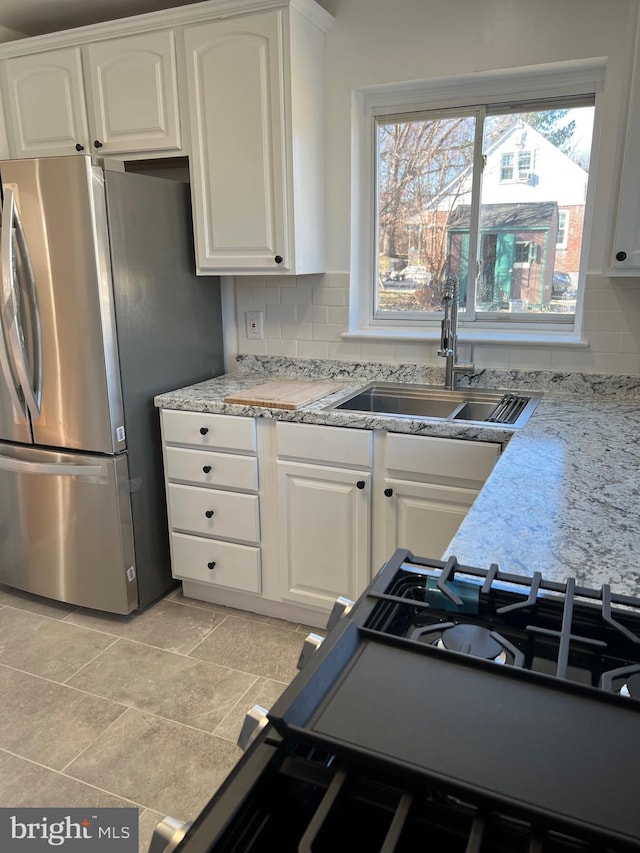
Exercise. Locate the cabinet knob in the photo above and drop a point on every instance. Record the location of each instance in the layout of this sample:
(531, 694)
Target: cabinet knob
(79, 147)
(388, 493)
(97, 143)
(206, 468)
(278, 259)
(204, 430)
(211, 565)
(209, 513)
(360, 484)
(621, 256)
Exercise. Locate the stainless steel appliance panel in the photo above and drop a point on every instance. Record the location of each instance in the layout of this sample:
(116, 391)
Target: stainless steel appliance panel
(65, 527)
(60, 202)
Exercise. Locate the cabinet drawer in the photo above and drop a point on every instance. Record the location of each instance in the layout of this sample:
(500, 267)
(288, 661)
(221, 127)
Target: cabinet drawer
(446, 458)
(335, 445)
(233, 516)
(236, 566)
(223, 432)
(208, 468)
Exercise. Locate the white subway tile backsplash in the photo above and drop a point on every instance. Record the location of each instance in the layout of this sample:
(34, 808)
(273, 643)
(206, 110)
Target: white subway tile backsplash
(253, 347)
(280, 281)
(346, 351)
(531, 358)
(313, 349)
(339, 315)
(249, 281)
(271, 295)
(612, 321)
(297, 296)
(288, 349)
(326, 332)
(316, 314)
(306, 315)
(329, 296)
(573, 360)
(297, 331)
(378, 352)
(618, 363)
(604, 341)
(281, 313)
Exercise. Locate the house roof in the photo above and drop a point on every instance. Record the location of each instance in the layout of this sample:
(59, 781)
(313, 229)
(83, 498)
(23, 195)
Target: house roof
(509, 217)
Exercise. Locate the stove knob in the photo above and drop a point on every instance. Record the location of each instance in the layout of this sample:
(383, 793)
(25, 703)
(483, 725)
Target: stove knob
(255, 720)
(341, 608)
(311, 643)
(167, 835)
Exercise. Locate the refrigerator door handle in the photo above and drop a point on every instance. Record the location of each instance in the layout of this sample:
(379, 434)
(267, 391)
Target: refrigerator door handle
(30, 380)
(57, 469)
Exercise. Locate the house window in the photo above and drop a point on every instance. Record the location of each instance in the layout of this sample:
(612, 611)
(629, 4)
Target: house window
(523, 255)
(506, 167)
(525, 165)
(456, 194)
(563, 229)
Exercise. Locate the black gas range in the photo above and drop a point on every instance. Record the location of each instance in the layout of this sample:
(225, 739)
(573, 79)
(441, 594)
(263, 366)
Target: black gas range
(451, 708)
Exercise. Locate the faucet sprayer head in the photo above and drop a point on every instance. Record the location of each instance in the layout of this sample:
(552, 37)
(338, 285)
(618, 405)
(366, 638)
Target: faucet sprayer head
(451, 286)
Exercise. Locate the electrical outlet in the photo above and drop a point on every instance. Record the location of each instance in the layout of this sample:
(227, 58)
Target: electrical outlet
(254, 325)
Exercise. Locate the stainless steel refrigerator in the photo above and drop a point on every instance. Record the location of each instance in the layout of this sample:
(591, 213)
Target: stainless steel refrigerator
(100, 310)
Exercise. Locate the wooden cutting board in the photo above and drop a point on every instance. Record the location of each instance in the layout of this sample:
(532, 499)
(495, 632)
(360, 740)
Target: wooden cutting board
(284, 393)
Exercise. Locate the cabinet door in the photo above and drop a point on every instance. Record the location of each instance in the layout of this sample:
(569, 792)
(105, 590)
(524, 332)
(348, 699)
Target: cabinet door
(133, 93)
(45, 100)
(324, 532)
(235, 87)
(422, 517)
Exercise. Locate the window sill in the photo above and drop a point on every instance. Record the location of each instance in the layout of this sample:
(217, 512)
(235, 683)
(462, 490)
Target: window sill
(528, 337)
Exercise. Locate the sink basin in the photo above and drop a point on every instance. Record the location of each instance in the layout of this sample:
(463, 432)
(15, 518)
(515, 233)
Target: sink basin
(395, 399)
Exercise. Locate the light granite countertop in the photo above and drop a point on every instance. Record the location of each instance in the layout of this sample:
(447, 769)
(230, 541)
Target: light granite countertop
(564, 497)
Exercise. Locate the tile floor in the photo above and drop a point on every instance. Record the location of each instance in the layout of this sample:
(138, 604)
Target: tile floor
(103, 710)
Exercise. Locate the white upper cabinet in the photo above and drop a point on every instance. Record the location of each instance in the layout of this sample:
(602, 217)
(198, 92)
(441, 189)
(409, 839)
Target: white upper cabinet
(44, 100)
(238, 87)
(625, 249)
(132, 92)
(116, 96)
(255, 112)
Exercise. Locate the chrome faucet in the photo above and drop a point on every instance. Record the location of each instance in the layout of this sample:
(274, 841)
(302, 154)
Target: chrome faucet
(449, 334)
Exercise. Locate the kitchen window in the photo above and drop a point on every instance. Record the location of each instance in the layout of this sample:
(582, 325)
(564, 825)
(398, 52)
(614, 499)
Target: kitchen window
(481, 190)
(563, 229)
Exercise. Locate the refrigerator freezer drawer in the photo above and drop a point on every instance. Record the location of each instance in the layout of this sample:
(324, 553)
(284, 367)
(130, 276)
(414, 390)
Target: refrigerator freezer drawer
(211, 561)
(65, 527)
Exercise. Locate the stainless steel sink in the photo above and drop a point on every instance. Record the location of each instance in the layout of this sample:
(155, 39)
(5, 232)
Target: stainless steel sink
(395, 399)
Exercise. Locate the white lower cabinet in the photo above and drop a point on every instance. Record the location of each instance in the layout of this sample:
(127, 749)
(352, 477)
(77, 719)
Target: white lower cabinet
(324, 524)
(424, 488)
(422, 517)
(211, 475)
(286, 517)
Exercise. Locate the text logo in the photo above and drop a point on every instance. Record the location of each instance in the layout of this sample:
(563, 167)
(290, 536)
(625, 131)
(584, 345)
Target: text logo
(70, 830)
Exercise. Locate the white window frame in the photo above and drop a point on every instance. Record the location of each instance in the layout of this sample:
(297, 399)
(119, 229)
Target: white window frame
(524, 176)
(562, 244)
(540, 83)
(510, 166)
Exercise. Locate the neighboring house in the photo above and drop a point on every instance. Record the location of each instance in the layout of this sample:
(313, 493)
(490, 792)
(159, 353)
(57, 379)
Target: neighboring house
(517, 251)
(533, 198)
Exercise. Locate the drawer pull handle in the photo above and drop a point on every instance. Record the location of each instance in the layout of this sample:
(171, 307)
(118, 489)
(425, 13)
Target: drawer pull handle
(211, 565)
(388, 492)
(360, 484)
(209, 513)
(204, 430)
(206, 468)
